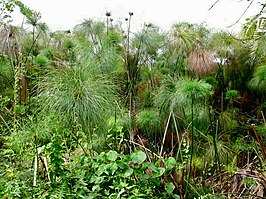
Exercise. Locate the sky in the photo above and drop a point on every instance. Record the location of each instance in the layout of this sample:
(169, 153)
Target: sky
(65, 14)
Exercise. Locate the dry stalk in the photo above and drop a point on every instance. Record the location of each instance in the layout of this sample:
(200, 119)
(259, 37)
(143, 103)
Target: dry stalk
(164, 136)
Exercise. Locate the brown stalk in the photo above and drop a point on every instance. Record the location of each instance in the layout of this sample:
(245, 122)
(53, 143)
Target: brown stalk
(259, 141)
(146, 149)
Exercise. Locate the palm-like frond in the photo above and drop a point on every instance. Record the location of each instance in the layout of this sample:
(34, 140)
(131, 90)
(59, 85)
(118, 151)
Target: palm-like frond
(187, 89)
(201, 62)
(259, 49)
(77, 97)
(6, 76)
(223, 43)
(258, 82)
(94, 33)
(182, 39)
(9, 36)
(148, 41)
(149, 121)
(177, 93)
(165, 96)
(222, 151)
(201, 117)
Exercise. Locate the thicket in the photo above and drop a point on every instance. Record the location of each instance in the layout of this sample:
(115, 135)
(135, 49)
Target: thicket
(103, 112)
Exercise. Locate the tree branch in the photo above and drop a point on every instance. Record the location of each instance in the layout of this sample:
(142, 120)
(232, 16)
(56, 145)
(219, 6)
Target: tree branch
(214, 4)
(241, 14)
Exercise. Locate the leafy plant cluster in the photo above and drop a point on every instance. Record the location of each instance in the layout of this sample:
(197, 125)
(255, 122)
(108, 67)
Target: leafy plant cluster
(107, 175)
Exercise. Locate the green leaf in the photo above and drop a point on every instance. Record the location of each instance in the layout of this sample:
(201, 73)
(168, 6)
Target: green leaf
(138, 157)
(155, 181)
(100, 170)
(159, 172)
(95, 188)
(143, 176)
(128, 172)
(112, 155)
(96, 179)
(176, 196)
(113, 167)
(156, 171)
(170, 163)
(169, 187)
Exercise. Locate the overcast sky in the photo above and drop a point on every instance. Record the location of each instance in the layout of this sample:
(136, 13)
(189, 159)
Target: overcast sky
(65, 14)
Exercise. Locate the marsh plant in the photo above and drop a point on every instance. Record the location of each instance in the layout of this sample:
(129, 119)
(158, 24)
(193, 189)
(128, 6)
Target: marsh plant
(102, 111)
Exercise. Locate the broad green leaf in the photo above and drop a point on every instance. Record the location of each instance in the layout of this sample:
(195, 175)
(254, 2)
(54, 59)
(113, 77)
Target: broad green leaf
(128, 172)
(112, 155)
(100, 170)
(138, 157)
(110, 168)
(113, 167)
(176, 196)
(152, 167)
(156, 171)
(169, 187)
(143, 176)
(159, 172)
(170, 163)
(155, 181)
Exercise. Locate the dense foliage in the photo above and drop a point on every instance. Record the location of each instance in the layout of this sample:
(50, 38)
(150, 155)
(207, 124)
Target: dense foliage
(101, 112)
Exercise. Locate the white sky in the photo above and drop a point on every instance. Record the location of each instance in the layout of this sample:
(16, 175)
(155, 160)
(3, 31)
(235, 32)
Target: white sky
(65, 14)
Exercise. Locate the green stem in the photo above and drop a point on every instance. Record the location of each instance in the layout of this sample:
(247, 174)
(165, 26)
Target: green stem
(16, 95)
(178, 138)
(5, 123)
(192, 143)
(214, 134)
